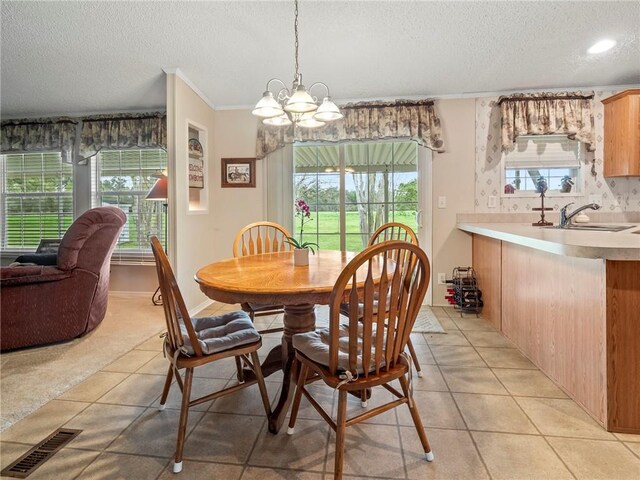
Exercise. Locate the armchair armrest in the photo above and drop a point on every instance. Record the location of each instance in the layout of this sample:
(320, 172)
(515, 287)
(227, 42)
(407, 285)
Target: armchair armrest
(13, 276)
(39, 258)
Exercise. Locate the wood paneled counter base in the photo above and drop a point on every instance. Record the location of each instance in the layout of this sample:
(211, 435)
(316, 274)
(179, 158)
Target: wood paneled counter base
(272, 278)
(578, 319)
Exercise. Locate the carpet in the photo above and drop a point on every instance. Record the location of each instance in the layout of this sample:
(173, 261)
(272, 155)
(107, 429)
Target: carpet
(427, 322)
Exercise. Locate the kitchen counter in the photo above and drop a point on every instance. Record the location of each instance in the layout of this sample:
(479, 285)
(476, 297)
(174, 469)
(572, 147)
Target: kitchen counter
(623, 245)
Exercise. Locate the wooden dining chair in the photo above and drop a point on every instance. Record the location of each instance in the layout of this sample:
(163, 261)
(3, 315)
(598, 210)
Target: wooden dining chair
(369, 350)
(394, 231)
(192, 342)
(255, 239)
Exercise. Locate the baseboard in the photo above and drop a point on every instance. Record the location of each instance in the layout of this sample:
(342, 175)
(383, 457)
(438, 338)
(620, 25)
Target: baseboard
(197, 309)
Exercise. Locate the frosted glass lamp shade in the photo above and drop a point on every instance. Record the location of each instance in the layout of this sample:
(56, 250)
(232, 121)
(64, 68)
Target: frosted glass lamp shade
(279, 121)
(308, 121)
(267, 107)
(328, 111)
(300, 101)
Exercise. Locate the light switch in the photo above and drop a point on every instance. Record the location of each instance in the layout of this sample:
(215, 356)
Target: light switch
(442, 202)
(492, 201)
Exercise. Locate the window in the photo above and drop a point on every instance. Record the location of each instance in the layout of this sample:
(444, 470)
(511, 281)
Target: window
(556, 158)
(123, 178)
(36, 199)
(352, 189)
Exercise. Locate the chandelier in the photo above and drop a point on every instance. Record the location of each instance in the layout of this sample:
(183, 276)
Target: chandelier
(296, 105)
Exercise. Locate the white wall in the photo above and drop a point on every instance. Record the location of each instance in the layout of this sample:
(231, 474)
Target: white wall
(192, 243)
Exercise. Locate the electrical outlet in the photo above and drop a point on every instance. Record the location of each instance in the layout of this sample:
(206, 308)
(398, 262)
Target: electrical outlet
(595, 199)
(442, 202)
(442, 279)
(492, 201)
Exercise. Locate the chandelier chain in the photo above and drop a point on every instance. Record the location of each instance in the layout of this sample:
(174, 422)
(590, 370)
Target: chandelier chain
(295, 28)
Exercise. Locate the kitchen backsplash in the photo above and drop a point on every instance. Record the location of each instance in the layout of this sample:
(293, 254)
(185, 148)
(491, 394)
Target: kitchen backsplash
(618, 194)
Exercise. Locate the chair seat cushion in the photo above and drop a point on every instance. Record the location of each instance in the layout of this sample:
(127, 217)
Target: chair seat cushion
(221, 332)
(315, 346)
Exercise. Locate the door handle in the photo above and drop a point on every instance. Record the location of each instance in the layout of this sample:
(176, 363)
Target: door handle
(419, 218)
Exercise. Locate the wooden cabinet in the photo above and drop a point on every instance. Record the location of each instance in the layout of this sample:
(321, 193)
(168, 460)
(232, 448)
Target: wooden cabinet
(622, 134)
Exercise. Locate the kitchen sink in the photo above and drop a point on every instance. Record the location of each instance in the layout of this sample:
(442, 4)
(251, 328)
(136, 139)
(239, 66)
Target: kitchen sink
(596, 228)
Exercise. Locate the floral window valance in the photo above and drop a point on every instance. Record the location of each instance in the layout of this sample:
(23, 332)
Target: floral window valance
(122, 131)
(547, 113)
(416, 120)
(39, 135)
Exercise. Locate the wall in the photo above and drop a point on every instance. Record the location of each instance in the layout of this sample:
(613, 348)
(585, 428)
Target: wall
(234, 136)
(453, 177)
(191, 242)
(618, 194)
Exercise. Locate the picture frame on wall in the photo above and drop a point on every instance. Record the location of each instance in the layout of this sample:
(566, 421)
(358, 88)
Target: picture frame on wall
(196, 164)
(238, 172)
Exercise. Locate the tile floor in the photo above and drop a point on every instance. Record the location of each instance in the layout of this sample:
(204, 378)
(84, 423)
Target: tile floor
(488, 412)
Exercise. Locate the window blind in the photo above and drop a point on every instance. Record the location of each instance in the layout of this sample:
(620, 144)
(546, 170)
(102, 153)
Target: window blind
(36, 199)
(532, 151)
(123, 178)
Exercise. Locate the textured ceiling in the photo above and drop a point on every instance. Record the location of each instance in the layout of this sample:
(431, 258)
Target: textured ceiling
(77, 57)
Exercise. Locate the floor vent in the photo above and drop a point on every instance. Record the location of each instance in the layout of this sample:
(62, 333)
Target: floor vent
(25, 465)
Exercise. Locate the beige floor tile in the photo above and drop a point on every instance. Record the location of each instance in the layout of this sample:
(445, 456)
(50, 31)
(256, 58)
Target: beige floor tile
(452, 355)
(505, 358)
(111, 466)
(597, 460)
(521, 457)
(154, 344)
(65, 464)
(371, 450)
(40, 424)
(562, 418)
(437, 409)
(137, 389)
(418, 339)
(94, 387)
(246, 401)
(225, 369)
(487, 339)
(439, 311)
(305, 449)
(256, 473)
(634, 447)
(322, 394)
(202, 471)
(493, 413)
(379, 396)
(154, 433)
(423, 354)
(101, 424)
(220, 437)
(472, 380)
(627, 437)
(431, 379)
(455, 456)
(446, 323)
(130, 362)
(453, 337)
(158, 365)
(474, 324)
(199, 388)
(531, 383)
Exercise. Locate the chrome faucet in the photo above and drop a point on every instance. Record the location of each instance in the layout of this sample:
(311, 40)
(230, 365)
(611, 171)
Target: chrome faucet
(565, 219)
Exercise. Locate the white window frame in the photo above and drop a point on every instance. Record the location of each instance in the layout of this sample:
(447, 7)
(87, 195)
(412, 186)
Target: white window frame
(528, 161)
(9, 251)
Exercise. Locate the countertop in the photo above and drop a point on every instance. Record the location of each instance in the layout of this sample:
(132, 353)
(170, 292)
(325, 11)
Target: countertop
(623, 245)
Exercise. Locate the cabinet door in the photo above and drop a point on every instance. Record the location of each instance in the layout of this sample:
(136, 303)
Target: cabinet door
(622, 136)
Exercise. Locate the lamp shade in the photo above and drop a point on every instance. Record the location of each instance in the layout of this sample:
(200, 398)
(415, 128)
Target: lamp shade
(267, 107)
(159, 189)
(328, 111)
(300, 101)
(279, 121)
(308, 121)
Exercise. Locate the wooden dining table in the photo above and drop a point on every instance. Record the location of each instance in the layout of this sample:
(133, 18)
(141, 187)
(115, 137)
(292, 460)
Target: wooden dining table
(272, 278)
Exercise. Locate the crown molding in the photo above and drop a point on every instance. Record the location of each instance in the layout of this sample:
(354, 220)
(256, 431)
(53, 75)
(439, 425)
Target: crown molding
(180, 74)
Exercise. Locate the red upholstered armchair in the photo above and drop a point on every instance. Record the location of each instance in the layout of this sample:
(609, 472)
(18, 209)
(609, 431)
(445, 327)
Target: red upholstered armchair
(46, 304)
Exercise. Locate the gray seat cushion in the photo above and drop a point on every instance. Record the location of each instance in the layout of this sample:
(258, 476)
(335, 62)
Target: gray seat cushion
(221, 332)
(315, 346)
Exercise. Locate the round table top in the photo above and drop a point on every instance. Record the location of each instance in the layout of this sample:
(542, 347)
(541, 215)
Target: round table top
(273, 278)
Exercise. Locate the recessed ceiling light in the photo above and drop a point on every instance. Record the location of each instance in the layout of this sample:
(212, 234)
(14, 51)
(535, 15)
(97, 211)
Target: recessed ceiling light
(602, 46)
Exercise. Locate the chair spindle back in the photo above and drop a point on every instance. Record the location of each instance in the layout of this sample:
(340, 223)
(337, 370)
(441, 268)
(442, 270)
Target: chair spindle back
(261, 237)
(377, 341)
(394, 231)
(175, 310)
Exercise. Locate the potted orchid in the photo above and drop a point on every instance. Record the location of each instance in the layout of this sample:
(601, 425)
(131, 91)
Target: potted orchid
(301, 252)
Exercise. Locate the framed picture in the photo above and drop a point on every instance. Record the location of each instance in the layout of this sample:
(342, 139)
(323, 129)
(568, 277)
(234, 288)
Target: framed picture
(238, 172)
(196, 164)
